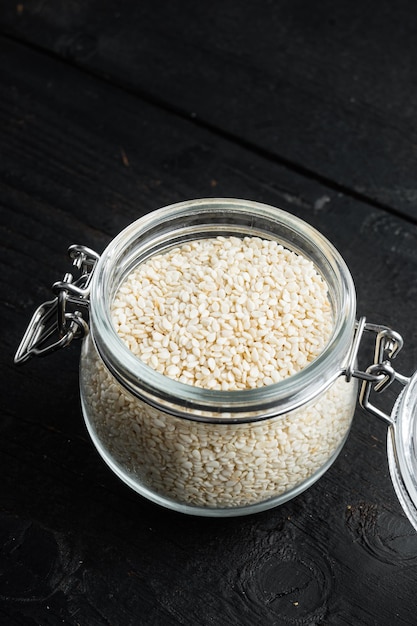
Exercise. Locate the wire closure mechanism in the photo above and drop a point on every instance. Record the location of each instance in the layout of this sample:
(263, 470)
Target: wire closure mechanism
(58, 321)
(381, 373)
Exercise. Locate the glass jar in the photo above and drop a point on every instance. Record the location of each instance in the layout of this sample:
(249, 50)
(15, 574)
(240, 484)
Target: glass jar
(195, 450)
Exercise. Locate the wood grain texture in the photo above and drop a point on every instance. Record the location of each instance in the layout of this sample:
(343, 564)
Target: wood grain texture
(80, 159)
(329, 90)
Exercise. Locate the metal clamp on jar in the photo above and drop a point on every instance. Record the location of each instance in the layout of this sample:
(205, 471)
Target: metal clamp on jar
(209, 451)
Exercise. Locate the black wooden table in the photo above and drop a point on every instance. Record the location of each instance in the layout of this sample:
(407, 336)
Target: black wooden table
(109, 110)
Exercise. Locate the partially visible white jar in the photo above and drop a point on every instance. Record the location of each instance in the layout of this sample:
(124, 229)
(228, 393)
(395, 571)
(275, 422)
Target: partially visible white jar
(205, 451)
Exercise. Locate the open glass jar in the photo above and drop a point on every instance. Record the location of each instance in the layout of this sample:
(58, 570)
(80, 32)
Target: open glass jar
(199, 450)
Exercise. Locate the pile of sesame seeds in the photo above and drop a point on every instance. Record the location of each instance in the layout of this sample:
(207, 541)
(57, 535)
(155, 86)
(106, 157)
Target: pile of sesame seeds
(225, 313)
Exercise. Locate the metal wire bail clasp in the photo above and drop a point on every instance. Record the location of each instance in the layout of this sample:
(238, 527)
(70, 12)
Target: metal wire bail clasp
(381, 373)
(57, 322)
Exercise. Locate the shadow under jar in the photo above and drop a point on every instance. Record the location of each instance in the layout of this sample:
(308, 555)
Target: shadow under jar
(204, 451)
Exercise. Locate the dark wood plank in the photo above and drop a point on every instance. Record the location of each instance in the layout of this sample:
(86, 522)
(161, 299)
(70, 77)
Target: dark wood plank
(328, 89)
(80, 159)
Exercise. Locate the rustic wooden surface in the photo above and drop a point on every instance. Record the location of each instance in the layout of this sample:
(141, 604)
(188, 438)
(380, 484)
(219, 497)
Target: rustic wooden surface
(109, 110)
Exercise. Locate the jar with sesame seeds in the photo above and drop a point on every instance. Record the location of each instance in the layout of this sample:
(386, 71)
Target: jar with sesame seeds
(218, 370)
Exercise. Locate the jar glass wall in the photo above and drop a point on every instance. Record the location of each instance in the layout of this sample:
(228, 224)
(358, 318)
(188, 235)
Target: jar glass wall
(216, 452)
(210, 468)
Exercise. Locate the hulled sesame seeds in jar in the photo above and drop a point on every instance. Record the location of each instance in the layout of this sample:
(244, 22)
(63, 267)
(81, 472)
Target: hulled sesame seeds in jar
(211, 377)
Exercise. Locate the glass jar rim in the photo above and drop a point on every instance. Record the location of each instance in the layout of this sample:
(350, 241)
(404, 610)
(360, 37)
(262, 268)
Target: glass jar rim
(192, 402)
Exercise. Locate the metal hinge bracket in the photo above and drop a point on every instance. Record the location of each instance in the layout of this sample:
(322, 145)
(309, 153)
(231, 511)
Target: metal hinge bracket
(380, 374)
(58, 321)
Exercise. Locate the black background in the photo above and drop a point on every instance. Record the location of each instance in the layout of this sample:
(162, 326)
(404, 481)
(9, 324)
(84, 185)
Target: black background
(109, 110)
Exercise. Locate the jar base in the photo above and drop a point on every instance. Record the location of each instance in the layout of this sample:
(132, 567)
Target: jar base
(201, 511)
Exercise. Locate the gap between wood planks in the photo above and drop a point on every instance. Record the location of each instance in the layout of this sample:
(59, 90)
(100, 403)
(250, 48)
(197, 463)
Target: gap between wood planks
(226, 135)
